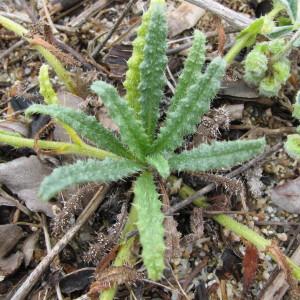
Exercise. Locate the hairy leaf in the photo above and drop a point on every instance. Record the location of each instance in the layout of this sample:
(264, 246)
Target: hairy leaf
(190, 109)
(292, 8)
(87, 126)
(150, 225)
(131, 129)
(153, 67)
(292, 145)
(192, 69)
(217, 155)
(160, 164)
(46, 89)
(86, 171)
(133, 74)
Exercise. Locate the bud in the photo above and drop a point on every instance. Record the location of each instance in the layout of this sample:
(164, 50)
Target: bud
(269, 86)
(256, 66)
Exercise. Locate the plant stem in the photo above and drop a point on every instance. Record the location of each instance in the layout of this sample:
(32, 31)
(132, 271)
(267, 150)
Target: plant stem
(58, 147)
(243, 41)
(248, 234)
(59, 69)
(237, 48)
(125, 254)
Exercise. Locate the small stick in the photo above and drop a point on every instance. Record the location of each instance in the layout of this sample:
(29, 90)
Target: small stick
(48, 17)
(237, 20)
(99, 47)
(256, 161)
(35, 275)
(89, 12)
(48, 247)
(11, 49)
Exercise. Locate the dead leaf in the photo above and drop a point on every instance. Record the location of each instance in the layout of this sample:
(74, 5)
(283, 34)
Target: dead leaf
(10, 264)
(197, 224)
(185, 16)
(10, 234)
(172, 239)
(250, 264)
(112, 276)
(105, 120)
(14, 127)
(23, 176)
(77, 280)
(287, 196)
(29, 246)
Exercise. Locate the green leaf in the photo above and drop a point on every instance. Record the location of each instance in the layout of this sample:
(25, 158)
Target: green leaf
(292, 8)
(86, 171)
(292, 145)
(131, 129)
(133, 74)
(46, 89)
(160, 164)
(217, 155)
(152, 68)
(281, 31)
(86, 126)
(191, 70)
(150, 225)
(190, 109)
(251, 31)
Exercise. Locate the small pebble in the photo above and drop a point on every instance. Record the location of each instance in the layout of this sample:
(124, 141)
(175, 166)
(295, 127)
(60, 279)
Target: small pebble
(266, 275)
(282, 237)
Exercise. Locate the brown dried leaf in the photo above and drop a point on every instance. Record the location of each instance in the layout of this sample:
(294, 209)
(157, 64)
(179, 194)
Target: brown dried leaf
(23, 176)
(173, 237)
(196, 222)
(250, 264)
(10, 234)
(281, 261)
(15, 127)
(112, 276)
(184, 17)
(73, 207)
(9, 265)
(29, 246)
(287, 196)
(106, 242)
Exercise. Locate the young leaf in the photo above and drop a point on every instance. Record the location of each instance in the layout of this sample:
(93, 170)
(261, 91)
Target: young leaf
(160, 164)
(132, 131)
(191, 70)
(150, 225)
(153, 67)
(87, 126)
(133, 75)
(217, 155)
(86, 171)
(190, 109)
(46, 89)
